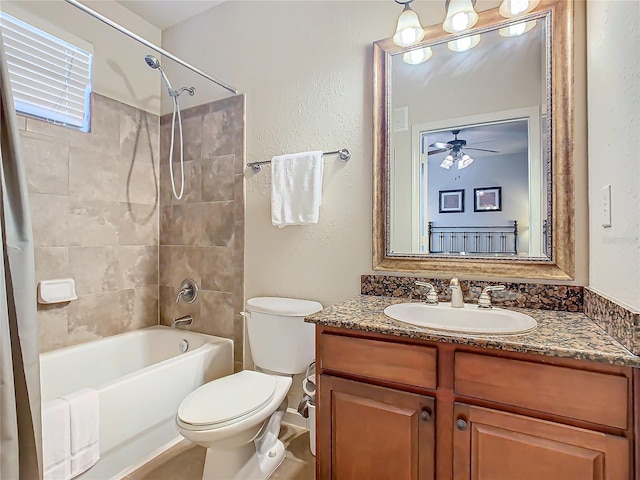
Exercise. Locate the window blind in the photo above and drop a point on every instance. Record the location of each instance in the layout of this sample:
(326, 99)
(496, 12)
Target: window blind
(50, 78)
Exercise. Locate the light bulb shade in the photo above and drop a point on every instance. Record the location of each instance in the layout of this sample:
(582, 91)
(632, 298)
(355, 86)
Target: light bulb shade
(408, 31)
(461, 16)
(417, 56)
(464, 162)
(513, 8)
(463, 44)
(517, 29)
(447, 162)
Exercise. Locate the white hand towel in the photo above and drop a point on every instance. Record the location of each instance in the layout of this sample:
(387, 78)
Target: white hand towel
(56, 443)
(85, 426)
(296, 188)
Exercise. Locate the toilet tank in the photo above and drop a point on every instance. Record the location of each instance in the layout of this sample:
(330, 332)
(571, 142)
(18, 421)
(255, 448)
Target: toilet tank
(279, 338)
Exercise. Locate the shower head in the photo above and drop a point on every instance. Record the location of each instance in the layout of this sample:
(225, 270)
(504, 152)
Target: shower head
(152, 61)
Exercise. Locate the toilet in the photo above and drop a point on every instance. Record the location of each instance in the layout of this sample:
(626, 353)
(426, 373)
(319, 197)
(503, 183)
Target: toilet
(237, 418)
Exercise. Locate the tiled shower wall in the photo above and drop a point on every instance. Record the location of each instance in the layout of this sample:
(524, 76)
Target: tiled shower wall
(202, 234)
(99, 200)
(94, 205)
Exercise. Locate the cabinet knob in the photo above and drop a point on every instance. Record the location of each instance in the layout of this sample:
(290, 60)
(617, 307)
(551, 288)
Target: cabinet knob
(461, 425)
(425, 415)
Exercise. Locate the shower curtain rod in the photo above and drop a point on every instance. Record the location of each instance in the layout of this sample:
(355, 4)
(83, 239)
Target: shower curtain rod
(147, 43)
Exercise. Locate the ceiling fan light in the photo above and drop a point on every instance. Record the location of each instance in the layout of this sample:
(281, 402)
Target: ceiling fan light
(415, 57)
(513, 8)
(463, 44)
(517, 29)
(447, 162)
(408, 30)
(464, 162)
(461, 16)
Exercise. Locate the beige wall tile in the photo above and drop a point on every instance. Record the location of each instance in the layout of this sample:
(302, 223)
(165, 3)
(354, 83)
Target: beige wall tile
(192, 138)
(94, 269)
(49, 216)
(192, 181)
(217, 223)
(138, 224)
(217, 268)
(182, 225)
(217, 178)
(93, 175)
(136, 266)
(51, 262)
(52, 327)
(93, 223)
(100, 315)
(178, 263)
(216, 314)
(46, 163)
(145, 307)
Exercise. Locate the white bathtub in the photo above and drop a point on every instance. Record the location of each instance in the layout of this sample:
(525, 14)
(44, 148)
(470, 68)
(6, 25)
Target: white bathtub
(141, 377)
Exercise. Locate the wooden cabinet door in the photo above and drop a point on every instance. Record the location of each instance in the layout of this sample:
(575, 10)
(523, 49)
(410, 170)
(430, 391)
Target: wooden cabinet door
(370, 432)
(494, 445)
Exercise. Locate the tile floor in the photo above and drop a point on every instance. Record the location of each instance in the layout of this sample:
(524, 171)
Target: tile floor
(185, 461)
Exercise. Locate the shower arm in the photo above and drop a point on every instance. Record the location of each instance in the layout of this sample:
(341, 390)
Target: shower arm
(147, 43)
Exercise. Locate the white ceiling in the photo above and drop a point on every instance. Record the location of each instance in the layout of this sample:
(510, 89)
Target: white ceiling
(167, 13)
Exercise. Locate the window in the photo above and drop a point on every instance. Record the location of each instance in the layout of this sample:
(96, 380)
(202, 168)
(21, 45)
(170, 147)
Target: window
(50, 78)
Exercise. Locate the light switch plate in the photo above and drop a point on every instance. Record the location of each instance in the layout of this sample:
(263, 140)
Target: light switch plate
(605, 205)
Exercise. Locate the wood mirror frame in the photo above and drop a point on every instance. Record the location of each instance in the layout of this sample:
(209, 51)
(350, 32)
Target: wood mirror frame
(561, 265)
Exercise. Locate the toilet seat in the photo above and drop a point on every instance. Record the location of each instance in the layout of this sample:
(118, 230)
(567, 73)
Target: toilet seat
(226, 401)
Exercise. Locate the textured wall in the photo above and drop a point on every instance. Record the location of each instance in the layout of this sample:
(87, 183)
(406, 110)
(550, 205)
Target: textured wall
(614, 147)
(202, 235)
(94, 205)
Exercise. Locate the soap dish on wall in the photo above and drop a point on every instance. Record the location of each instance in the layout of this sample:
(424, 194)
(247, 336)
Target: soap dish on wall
(56, 291)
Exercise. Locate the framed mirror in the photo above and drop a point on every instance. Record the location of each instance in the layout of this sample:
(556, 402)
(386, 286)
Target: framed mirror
(473, 166)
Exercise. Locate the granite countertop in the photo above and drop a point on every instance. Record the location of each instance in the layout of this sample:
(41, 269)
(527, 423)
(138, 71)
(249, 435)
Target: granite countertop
(558, 334)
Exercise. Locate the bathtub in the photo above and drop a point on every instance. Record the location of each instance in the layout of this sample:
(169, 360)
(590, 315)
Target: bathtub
(141, 376)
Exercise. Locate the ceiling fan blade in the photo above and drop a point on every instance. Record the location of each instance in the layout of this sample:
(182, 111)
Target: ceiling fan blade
(440, 150)
(482, 149)
(483, 141)
(441, 145)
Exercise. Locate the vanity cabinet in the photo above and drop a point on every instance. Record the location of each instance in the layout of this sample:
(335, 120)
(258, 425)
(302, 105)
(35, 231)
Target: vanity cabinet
(378, 432)
(395, 408)
(494, 445)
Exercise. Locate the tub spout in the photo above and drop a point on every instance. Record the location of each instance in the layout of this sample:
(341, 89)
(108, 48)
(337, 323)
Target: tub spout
(186, 320)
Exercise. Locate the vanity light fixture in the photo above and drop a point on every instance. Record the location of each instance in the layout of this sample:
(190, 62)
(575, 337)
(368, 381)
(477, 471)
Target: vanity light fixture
(461, 16)
(513, 8)
(415, 57)
(463, 44)
(517, 29)
(409, 30)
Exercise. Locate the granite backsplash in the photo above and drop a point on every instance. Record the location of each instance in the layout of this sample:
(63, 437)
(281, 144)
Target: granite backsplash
(522, 295)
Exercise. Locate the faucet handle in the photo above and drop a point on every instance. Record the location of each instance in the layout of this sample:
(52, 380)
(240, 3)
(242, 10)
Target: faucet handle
(432, 295)
(485, 300)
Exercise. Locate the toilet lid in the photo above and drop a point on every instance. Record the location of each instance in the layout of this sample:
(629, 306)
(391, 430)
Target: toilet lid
(285, 307)
(226, 399)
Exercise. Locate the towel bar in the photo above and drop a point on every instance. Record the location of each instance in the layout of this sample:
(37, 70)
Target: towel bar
(345, 155)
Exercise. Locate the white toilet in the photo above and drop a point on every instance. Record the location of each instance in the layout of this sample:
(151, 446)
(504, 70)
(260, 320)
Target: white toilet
(237, 418)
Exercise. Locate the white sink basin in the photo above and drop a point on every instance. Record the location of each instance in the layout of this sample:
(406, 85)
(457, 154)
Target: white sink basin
(469, 319)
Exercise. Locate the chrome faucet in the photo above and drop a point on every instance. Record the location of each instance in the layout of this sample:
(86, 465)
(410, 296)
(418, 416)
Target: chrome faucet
(432, 295)
(186, 320)
(456, 293)
(485, 300)
(188, 291)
